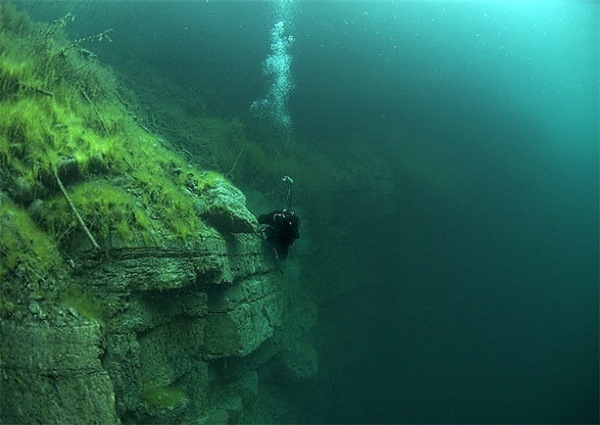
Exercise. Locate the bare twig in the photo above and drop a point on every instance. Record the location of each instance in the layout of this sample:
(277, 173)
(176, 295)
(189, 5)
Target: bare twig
(95, 110)
(98, 37)
(235, 162)
(75, 212)
(40, 91)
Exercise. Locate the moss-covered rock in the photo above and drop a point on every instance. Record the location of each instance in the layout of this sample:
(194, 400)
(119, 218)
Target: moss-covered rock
(226, 208)
(54, 374)
(128, 274)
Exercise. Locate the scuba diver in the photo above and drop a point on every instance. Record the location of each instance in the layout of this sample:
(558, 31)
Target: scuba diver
(282, 227)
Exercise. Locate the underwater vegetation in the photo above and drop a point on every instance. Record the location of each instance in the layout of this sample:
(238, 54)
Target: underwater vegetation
(112, 221)
(160, 398)
(90, 179)
(130, 179)
(77, 172)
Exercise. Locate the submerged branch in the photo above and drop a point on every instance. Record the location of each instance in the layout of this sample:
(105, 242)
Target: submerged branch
(95, 110)
(75, 212)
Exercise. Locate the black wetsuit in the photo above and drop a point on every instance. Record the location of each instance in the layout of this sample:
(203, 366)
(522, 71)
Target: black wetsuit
(283, 228)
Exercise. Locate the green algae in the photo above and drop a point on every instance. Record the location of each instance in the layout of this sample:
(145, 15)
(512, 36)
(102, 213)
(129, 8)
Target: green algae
(62, 122)
(24, 247)
(84, 303)
(161, 398)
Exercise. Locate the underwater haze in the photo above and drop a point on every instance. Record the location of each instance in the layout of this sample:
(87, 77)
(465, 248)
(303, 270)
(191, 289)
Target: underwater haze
(476, 297)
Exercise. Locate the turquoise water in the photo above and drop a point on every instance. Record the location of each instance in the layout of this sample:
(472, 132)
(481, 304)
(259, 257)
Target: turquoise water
(478, 295)
(482, 305)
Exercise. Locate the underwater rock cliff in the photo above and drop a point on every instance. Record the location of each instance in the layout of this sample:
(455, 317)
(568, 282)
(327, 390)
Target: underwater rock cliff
(134, 287)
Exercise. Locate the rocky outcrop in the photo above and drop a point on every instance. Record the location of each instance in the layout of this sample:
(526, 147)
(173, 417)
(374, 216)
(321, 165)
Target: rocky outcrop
(175, 336)
(53, 374)
(133, 285)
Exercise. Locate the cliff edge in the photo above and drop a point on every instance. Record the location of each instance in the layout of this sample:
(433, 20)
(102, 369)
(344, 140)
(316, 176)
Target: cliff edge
(134, 286)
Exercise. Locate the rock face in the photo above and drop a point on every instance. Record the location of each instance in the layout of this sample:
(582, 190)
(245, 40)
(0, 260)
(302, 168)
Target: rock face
(178, 336)
(54, 375)
(133, 286)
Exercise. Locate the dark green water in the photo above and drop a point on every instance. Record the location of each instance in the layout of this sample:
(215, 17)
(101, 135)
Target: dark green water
(479, 293)
(481, 306)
